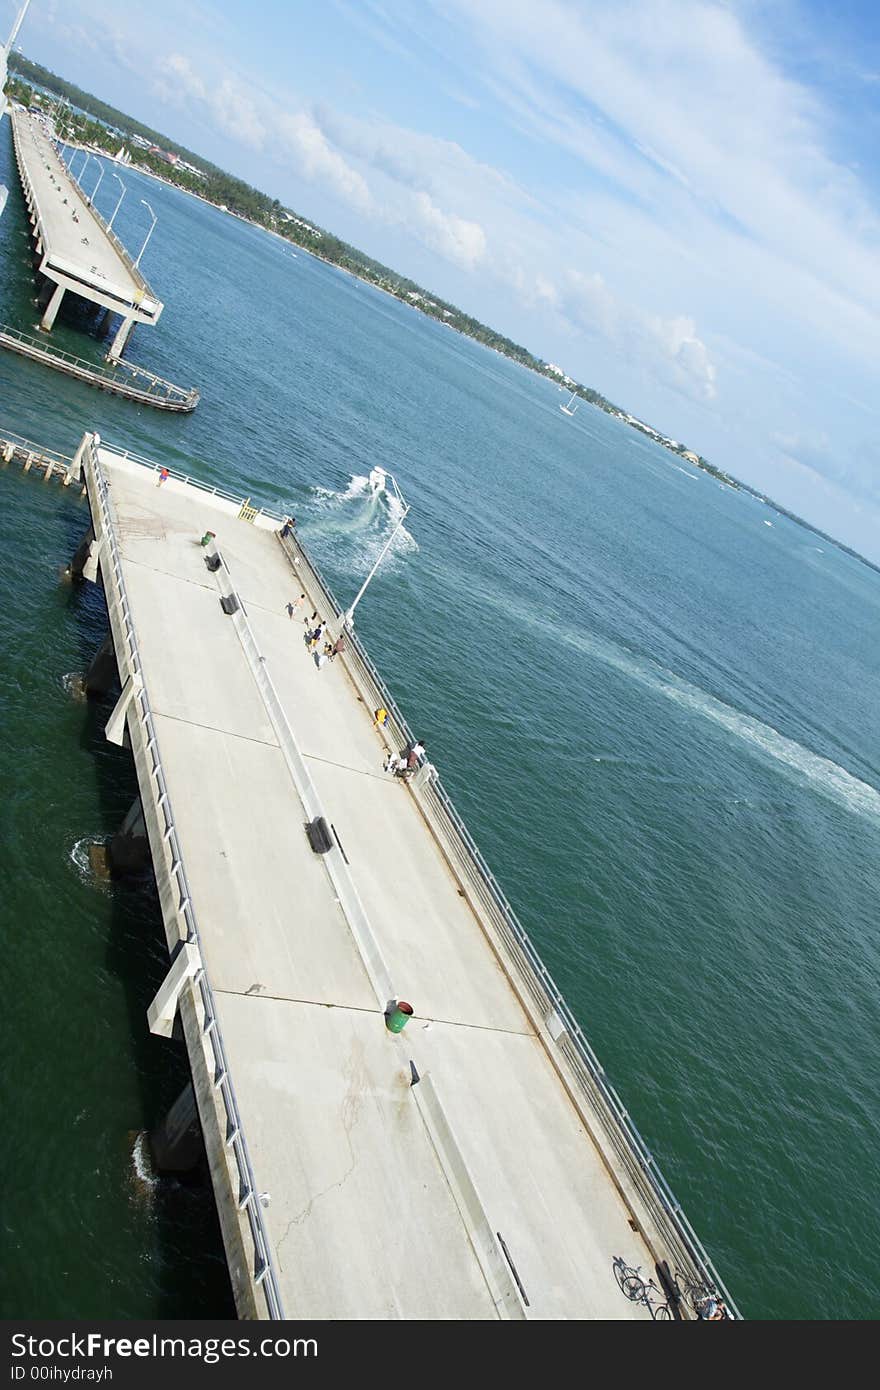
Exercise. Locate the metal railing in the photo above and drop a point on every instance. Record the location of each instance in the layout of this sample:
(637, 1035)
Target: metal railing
(17, 117)
(265, 1274)
(601, 1098)
(567, 1034)
(19, 444)
(223, 493)
(123, 376)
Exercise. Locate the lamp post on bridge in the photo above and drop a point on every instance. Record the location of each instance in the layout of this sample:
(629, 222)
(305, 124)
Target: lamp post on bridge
(79, 177)
(149, 233)
(98, 184)
(115, 176)
(348, 616)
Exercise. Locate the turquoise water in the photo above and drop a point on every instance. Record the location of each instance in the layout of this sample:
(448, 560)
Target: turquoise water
(657, 714)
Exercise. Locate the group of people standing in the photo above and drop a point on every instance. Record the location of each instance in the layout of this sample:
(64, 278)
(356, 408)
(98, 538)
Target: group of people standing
(405, 763)
(401, 764)
(315, 635)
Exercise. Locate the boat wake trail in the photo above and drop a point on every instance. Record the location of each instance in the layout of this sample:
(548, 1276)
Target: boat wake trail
(356, 523)
(826, 776)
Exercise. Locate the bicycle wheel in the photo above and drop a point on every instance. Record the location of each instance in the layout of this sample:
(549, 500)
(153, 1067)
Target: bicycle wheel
(662, 1313)
(633, 1288)
(622, 1271)
(696, 1294)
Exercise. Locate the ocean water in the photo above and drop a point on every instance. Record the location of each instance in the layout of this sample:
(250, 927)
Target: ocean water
(657, 714)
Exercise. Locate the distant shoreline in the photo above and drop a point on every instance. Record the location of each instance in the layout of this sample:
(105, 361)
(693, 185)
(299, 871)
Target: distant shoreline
(647, 431)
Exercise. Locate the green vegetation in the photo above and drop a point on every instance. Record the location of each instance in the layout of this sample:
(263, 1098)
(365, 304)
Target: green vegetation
(89, 121)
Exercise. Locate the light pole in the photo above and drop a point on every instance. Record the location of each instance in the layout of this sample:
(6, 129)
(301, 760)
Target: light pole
(348, 616)
(149, 233)
(79, 177)
(115, 176)
(98, 184)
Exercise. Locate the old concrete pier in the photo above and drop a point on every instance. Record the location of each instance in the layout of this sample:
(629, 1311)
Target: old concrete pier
(477, 1164)
(76, 251)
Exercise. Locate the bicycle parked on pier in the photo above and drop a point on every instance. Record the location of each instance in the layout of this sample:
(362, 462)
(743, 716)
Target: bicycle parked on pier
(705, 1302)
(665, 1304)
(640, 1290)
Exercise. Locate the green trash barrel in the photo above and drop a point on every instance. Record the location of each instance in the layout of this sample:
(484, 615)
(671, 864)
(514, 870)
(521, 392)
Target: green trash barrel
(398, 1016)
(207, 538)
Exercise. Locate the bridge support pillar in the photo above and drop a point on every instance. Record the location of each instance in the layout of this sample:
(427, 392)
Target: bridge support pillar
(117, 347)
(102, 326)
(84, 564)
(48, 320)
(81, 554)
(75, 469)
(129, 850)
(116, 729)
(102, 674)
(177, 1142)
(185, 966)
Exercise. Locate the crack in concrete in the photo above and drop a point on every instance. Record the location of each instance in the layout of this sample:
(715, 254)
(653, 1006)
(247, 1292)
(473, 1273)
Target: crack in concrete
(351, 1107)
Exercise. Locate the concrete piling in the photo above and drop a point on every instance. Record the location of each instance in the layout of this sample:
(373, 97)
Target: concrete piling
(102, 675)
(176, 1142)
(129, 850)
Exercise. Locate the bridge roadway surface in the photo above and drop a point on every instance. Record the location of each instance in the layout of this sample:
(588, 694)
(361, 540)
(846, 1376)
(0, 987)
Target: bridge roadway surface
(76, 250)
(361, 1214)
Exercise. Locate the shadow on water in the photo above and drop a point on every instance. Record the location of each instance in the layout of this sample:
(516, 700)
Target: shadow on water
(189, 1277)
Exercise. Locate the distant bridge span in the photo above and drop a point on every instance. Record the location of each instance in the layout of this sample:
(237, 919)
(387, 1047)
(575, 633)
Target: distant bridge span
(76, 250)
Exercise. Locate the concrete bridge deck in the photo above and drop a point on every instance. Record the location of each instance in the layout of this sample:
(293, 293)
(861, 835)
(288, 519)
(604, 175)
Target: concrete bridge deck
(487, 1188)
(76, 251)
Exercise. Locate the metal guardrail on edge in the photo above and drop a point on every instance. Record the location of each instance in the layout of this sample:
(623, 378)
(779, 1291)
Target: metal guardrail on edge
(265, 1273)
(18, 441)
(154, 386)
(34, 206)
(601, 1096)
(598, 1091)
(187, 478)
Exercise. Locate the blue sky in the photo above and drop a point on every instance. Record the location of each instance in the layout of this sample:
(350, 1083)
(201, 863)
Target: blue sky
(678, 201)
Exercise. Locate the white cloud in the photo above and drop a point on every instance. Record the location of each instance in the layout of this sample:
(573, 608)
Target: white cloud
(236, 114)
(651, 190)
(686, 355)
(181, 79)
(221, 97)
(317, 159)
(455, 238)
(668, 347)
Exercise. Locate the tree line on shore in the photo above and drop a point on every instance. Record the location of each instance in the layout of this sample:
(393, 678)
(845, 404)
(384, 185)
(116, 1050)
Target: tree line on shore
(90, 121)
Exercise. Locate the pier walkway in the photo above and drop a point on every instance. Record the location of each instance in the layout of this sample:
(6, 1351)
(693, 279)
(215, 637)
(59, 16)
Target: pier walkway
(120, 378)
(76, 250)
(476, 1165)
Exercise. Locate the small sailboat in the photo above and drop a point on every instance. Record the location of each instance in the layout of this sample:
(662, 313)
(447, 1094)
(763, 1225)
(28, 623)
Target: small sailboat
(571, 404)
(377, 481)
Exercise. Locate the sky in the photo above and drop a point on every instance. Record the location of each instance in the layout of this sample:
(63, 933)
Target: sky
(676, 201)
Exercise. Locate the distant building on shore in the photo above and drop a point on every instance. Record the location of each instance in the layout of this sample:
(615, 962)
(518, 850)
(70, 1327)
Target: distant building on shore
(298, 222)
